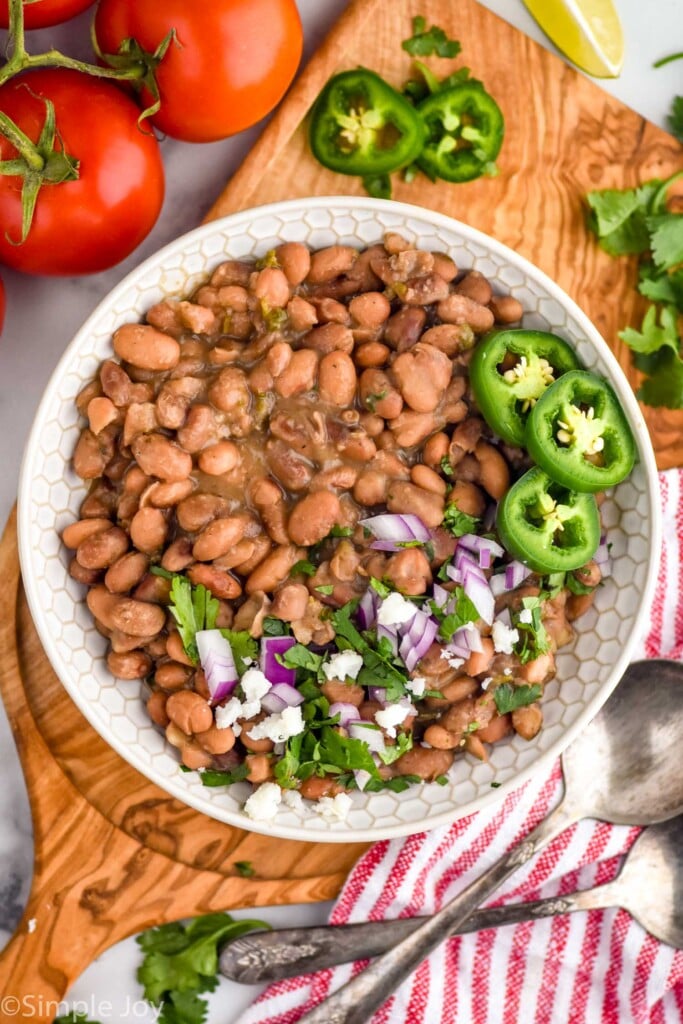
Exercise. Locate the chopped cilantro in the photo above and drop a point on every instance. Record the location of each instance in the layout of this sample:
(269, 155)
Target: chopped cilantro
(533, 638)
(459, 523)
(426, 42)
(442, 780)
(404, 743)
(381, 589)
(273, 318)
(372, 400)
(269, 260)
(446, 467)
(299, 656)
(575, 586)
(326, 589)
(244, 648)
(380, 667)
(495, 785)
(194, 609)
(213, 778)
(341, 531)
(397, 785)
(509, 697)
(303, 568)
(275, 627)
(244, 868)
(451, 622)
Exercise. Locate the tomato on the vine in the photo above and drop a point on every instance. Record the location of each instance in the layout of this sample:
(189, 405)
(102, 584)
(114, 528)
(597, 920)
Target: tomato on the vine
(85, 225)
(230, 62)
(42, 13)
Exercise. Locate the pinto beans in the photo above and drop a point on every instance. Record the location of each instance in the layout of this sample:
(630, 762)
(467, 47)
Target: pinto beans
(316, 787)
(299, 376)
(289, 602)
(148, 530)
(91, 455)
(337, 379)
(371, 309)
(131, 665)
(172, 675)
(468, 498)
(427, 479)
(404, 328)
(221, 584)
(76, 533)
(126, 572)
(330, 338)
(527, 721)
(146, 348)
(425, 763)
(272, 287)
(409, 571)
(273, 569)
(301, 313)
(475, 286)
(136, 618)
(295, 261)
(218, 538)
(407, 498)
(215, 740)
(327, 264)
(102, 548)
(459, 309)
(379, 395)
(156, 708)
(313, 517)
(506, 309)
(178, 555)
(338, 691)
(157, 456)
(189, 712)
(199, 509)
(451, 339)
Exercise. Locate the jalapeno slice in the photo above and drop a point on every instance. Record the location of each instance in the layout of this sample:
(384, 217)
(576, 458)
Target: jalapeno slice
(546, 526)
(465, 132)
(360, 125)
(510, 371)
(578, 433)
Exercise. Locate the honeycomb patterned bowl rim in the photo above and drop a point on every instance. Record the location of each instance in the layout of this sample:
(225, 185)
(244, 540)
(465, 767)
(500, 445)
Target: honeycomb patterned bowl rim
(50, 493)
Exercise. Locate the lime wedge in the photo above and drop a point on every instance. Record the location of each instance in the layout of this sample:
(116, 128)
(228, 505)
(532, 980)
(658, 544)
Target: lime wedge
(587, 31)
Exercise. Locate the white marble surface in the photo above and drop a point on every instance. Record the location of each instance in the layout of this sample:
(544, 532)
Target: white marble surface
(44, 313)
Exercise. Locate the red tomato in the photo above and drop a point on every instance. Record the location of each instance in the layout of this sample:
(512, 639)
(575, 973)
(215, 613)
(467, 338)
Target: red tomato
(2, 305)
(41, 13)
(232, 62)
(80, 227)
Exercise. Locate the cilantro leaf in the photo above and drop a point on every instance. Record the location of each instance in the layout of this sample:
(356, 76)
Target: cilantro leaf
(459, 523)
(244, 868)
(275, 627)
(575, 586)
(509, 697)
(303, 568)
(244, 648)
(652, 335)
(183, 1008)
(213, 778)
(326, 589)
(666, 239)
(659, 287)
(193, 608)
(182, 959)
(381, 589)
(446, 469)
(675, 119)
(464, 611)
(404, 743)
(664, 386)
(299, 656)
(619, 217)
(429, 42)
(533, 638)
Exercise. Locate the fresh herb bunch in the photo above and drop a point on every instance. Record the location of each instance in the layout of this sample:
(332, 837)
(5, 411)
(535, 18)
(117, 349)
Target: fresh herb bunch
(638, 221)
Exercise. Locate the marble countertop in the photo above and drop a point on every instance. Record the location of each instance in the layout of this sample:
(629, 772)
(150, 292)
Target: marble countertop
(44, 313)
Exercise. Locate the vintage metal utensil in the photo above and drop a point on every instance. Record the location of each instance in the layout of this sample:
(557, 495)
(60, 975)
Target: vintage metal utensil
(649, 886)
(623, 768)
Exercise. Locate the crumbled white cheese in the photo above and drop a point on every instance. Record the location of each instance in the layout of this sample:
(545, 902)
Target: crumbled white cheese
(391, 716)
(362, 778)
(227, 714)
(525, 616)
(334, 808)
(395, 610)
(247, 661)
(279, 728)
(504, 638)
(254, 684)
(485, 683)
(507, 671)
(452, 660)
(250, 709)
(263, 803)
(293, 798)
(416, 686)
(237, 729)
(31, 926)
(343, 665)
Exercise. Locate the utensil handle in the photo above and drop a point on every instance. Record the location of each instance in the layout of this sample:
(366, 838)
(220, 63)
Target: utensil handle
(288, 952)
(356, 1001)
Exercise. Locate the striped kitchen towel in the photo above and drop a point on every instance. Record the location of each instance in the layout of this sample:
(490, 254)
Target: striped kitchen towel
(599, 967)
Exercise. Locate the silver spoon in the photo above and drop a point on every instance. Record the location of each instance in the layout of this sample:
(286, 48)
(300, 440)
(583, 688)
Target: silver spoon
(649, 886)
(623, 768)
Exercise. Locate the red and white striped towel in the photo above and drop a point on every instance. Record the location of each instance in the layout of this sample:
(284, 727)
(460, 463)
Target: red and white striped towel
(599, 967)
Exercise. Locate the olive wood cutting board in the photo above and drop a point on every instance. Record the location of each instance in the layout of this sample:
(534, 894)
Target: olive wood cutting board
(563, 137)
(114, 854)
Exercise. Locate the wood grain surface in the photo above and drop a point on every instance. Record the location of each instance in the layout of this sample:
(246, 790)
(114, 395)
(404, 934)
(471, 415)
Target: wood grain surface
(114, 854)
(564, 137)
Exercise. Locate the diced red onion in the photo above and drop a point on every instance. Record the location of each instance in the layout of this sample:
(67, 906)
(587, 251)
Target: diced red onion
(484, 547)
(271, 647)
(504, 617)
(457, 650)
(218, 663)
(441, 595)
(454, 574)
(602, 557)
(392, 530)
(515, 574)
(273, 703)
(362, 778)
(497, 584)
(366, 612)
(347, 712)
(377, 694)
(418, 640)
(468, 639)
(371, 735)
(479, 593)
(388, 633)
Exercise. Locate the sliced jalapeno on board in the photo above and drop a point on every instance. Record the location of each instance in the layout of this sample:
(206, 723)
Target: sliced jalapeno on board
(577, 432)
(546, 526)
(360, 125)
(510, 370)
(465, 132)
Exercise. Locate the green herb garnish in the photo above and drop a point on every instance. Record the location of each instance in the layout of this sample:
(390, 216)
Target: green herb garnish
(244, 868)
(459, 523)
(509, 697)
(303, 568)
(426, 42)
(194, 609)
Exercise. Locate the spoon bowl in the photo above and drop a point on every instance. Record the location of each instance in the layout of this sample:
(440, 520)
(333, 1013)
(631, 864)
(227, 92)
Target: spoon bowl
(650, 885)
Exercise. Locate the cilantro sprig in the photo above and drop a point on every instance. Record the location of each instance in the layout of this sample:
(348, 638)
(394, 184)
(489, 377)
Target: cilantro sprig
(637, 222)
(429, 42)
(459, 523)
(533, 637)
(508, 697)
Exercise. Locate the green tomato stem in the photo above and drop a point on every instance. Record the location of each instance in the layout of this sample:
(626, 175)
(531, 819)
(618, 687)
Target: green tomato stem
(667, 60)
(27, 149)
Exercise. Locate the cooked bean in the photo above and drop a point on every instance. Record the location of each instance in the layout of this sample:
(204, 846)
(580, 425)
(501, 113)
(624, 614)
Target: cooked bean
(145, 347)
(131, 665)
(459, 309)
(539, 670)
(326, 264)
(295, 260)
(126, 572)
(410, 428)
(178, 555)
(330, 338)
(172, 675)
(337, 379)
(479, 661)
(404, 328)
(423, 374)
(409, 571)
(498, 727)
(371, 488)
(427, 479)
(371, 309)
(101, 412)
(407, 498)
(259, 768)
(452, 339)
(81, 575)
(578, 605)
(148, 530)
(506, 309)
(301, 313)
(218, 538)
(475, 286)
(157, 456)
(459, 688)
(102, 548)
(435, 449)
(215, 740)
(156, 708)
(195, 512)
(316, 787)
(74, 534)
(230, 389)
(258, 746)
(220, 583)
(273, 569)
(494, 474)
(189, 712)
(312, 518)
(271, 287)
(198, 430)
(300, 374)
(379, 395)
(194, 756)
(168, 494)
(91, 455)
(444, 266)
(527, 721)
(425, 763)
(289, 602)
(589, 574)
(468, 498)
(135, 618)
(372, 353)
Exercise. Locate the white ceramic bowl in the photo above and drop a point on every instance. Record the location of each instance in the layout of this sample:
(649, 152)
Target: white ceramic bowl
(50, 495)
